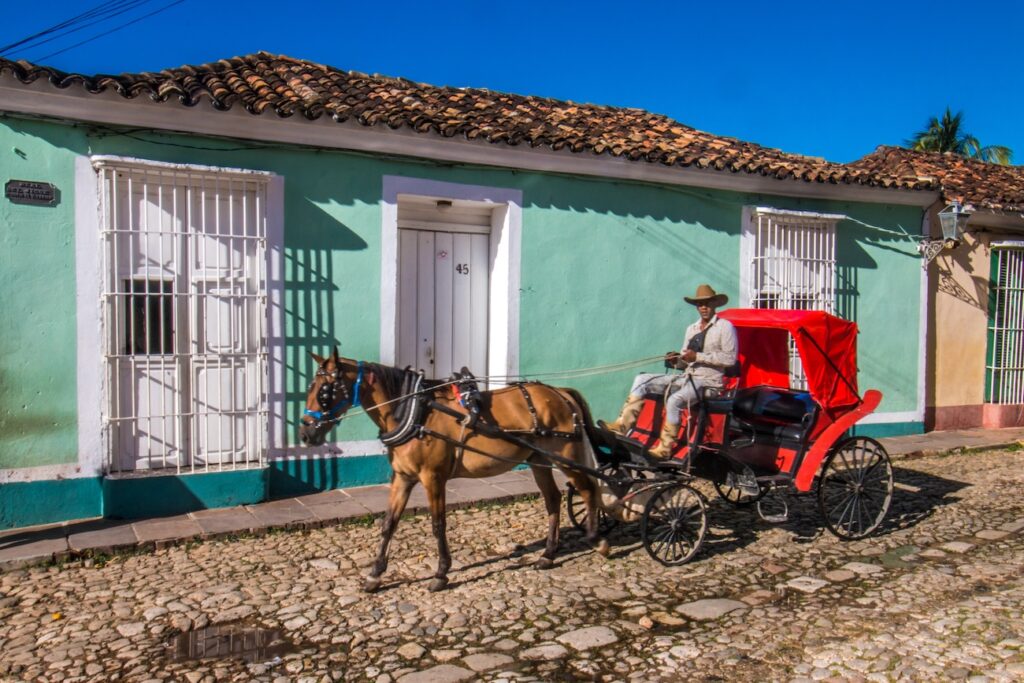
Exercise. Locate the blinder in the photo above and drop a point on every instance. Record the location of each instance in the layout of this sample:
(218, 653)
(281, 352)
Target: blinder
(334, 396)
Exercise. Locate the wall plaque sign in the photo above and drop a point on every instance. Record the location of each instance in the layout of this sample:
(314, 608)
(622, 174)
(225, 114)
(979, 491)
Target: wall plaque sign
(31, 192)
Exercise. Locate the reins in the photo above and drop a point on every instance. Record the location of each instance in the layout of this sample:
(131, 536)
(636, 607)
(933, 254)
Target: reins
(481, 427)
(538, 376)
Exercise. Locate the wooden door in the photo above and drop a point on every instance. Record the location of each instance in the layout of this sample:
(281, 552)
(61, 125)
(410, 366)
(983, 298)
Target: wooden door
(443, 301)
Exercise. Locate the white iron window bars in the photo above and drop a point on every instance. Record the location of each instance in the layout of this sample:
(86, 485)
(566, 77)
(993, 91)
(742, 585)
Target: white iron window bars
(184, 315)
(793, 266)
(1005, 366)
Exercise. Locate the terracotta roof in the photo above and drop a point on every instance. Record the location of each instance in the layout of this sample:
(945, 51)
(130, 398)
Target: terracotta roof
(985, 185)
(285, 86)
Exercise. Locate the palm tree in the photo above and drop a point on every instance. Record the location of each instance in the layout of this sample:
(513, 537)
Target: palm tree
(948, 135)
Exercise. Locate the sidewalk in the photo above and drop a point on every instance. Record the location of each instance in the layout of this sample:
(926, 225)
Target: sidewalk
(91, 537)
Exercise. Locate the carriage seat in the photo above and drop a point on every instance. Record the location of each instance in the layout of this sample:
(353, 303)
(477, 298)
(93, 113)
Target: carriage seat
(782, 414)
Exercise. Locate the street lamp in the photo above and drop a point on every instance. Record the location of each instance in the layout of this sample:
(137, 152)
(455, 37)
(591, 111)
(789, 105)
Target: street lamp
(952, 219)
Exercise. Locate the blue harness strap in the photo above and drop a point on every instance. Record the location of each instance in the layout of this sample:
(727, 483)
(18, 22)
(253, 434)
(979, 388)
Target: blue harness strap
(321, 415)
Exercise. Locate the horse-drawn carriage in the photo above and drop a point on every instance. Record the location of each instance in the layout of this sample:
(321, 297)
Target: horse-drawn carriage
(756, 438)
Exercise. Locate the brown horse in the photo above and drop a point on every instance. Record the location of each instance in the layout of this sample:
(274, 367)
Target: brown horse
(449, 446)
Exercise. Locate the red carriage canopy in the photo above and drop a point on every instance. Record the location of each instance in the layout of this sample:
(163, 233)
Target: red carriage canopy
(827, 346)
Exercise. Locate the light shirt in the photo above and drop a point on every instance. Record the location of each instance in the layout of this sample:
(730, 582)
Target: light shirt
(719, 352)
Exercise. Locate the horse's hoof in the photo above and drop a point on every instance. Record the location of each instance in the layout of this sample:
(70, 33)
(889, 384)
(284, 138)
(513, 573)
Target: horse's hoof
(438, 583)
(544, 563)
(602, 548)
(371, 584)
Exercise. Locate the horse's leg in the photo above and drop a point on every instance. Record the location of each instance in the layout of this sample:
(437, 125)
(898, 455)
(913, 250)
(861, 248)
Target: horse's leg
(398, 496)
(553, 504)
(434, 485)
(590, 493)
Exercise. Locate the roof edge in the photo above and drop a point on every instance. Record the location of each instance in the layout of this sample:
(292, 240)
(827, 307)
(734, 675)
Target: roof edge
(106, 107)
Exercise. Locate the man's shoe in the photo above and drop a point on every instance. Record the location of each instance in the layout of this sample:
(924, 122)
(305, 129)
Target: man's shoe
(663, 450)
(627, 416)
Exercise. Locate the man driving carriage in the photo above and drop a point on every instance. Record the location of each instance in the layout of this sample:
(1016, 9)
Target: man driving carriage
(709, 349)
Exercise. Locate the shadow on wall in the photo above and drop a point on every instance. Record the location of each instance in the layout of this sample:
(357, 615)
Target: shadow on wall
(847, 291)
(312, 239)
(949, 264)
(302, 476)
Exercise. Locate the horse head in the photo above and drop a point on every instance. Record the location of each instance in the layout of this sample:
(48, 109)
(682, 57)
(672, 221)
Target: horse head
(334, 390)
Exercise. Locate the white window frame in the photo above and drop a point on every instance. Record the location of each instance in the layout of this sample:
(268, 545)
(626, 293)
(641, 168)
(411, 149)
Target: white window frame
(770, 222)
(766, 226)
(92, 393)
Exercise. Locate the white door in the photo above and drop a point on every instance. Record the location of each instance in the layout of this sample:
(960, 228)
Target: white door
(225, 333)
(144, 312)
(443, 301)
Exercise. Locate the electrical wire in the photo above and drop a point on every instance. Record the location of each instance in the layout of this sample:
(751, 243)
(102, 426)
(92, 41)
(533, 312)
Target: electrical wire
(102, 12)
(113, 30)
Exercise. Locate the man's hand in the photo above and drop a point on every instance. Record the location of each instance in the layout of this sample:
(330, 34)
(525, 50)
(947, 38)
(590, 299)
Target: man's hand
(689, 355)
(672, 359)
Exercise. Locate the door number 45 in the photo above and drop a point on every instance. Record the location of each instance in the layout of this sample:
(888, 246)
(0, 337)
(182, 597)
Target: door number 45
(462, 269)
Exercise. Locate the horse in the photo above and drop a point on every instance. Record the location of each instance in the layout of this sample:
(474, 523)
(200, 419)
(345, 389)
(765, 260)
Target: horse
(439, 438)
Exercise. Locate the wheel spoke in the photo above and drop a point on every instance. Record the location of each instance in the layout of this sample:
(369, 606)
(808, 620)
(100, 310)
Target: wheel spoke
(842, 507)
(860, 514)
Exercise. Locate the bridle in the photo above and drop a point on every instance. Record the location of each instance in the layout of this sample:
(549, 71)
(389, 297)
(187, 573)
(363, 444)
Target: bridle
(333, 396)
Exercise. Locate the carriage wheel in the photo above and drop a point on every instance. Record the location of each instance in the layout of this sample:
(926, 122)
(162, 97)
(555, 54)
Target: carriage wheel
(674, 524)
(734, 495)
(577, 510)
(855, 487)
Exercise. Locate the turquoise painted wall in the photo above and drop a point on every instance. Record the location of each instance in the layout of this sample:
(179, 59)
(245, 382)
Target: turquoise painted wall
(38, 399)
(604, 267)
(141, 497)
(43, 502)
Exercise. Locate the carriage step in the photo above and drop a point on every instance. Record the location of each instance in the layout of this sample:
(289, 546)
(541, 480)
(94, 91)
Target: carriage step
(773, 508)
(745, 482)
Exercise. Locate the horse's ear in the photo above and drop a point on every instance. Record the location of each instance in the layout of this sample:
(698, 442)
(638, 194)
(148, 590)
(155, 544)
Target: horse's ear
(334, 354)
(320, 360)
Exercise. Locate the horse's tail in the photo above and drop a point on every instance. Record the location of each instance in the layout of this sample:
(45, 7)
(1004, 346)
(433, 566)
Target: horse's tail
(607, 499)
(589, 427)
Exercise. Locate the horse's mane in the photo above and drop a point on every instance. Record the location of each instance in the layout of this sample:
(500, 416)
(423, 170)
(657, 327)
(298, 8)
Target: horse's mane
(391, 378)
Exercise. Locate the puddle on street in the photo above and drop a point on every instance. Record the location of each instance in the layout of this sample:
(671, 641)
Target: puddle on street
(248, 643)
(894, 559)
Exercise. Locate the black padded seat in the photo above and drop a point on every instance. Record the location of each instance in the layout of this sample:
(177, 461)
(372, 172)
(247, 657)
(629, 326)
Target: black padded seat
(780, 414)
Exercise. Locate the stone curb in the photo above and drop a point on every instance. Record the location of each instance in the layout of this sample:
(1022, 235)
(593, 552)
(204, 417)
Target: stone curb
(140, 547)
(930, 453)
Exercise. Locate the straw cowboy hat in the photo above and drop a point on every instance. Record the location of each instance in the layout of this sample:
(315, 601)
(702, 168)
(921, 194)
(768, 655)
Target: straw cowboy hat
(707, 295)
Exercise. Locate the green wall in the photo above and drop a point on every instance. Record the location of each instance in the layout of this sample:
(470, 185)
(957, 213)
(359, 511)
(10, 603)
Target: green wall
(604, 267)
(38, 399)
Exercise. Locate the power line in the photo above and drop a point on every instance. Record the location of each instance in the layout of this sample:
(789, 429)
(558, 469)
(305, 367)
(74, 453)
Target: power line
(82, 26)
(101, 12)
(113, 30)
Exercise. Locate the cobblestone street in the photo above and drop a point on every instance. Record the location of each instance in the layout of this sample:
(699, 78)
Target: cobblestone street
(939, 593)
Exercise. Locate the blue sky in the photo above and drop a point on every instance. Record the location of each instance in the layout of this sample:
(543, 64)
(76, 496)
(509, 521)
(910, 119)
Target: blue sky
(831, 79)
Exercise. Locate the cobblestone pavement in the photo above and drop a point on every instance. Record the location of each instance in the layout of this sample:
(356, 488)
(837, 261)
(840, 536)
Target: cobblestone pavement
(939, 594)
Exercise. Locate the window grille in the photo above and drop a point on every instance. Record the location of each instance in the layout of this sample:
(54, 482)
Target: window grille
(1005, 366)
(184, 317)
(792, 266)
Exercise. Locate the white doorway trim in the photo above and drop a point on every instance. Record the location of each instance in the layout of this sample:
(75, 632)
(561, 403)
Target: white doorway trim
(93, 441)
(506, 229)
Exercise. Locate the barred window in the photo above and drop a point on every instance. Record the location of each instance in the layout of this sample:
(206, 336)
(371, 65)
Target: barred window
(1004, 371)
(791, 261)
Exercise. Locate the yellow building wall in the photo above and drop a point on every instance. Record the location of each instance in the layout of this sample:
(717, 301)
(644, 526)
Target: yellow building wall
(960, 282)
